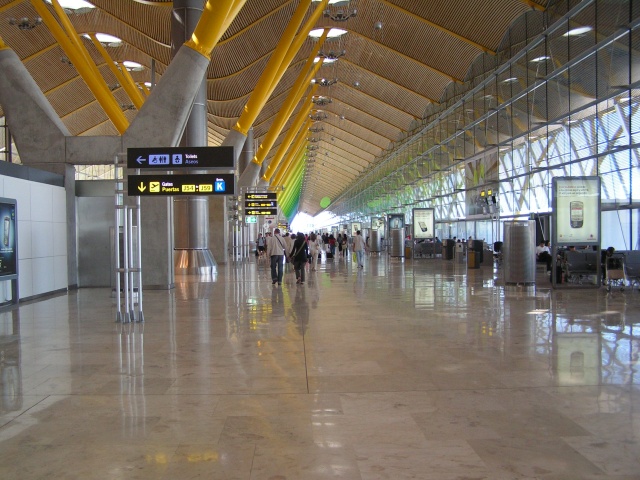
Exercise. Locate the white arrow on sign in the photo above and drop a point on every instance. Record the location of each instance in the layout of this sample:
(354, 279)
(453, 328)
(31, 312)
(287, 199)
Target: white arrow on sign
(141, 160)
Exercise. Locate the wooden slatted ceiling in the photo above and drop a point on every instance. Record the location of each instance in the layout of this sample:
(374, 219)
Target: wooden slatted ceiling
(482, 21)
(394, 66)
(386, 80)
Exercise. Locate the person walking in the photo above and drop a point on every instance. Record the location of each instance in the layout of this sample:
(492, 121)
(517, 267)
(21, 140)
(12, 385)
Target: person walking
(332, 246)
(314, 249)
(260, 243)
(276, 251)
(359, 247)
(299, 257)
(344, 242)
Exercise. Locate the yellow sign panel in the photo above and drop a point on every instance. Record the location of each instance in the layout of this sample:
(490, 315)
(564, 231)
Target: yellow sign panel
(188, 188)
(154, 186)
(206, 188)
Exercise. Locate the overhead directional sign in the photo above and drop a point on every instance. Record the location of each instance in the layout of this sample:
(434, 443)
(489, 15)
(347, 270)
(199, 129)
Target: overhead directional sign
(262, 204)
(200, 184)
(261, 196)
(173, 158)
(261, 211)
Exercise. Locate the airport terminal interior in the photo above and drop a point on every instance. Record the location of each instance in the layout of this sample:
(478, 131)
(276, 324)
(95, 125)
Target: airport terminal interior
(142, 334)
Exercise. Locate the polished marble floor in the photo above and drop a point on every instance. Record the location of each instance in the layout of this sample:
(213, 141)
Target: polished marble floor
(403, 370)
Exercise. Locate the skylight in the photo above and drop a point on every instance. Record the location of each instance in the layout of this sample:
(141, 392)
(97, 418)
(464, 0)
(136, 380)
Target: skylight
(74, 4)
(333, 33)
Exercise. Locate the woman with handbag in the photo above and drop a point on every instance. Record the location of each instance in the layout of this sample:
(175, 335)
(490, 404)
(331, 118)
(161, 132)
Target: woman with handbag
(299, 255)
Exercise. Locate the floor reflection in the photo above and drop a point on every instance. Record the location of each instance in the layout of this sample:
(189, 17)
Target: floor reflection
(10, 368)
(418, 369)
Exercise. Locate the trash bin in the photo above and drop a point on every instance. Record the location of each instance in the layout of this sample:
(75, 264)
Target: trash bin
(473, 259)
(447, 249)
(477, 246)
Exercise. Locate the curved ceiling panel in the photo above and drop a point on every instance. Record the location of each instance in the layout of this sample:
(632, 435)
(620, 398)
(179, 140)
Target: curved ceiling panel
(396, 60)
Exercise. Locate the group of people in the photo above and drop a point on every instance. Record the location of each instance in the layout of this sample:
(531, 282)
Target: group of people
(543, 255)
(301, 249)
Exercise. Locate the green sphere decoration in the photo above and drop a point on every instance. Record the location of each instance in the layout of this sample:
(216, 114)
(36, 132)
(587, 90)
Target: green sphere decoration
(325, 202)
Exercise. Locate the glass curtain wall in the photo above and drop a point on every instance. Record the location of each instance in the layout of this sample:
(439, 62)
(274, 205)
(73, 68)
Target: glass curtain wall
(565, 103)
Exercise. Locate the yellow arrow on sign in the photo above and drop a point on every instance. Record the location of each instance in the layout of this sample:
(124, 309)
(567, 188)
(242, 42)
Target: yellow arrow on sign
(141, 187)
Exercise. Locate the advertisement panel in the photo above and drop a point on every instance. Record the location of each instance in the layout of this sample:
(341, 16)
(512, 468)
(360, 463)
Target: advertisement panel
(396, 221)
(355, 226)
(576, 210)
(377, 223)
(423, 223)
(9, 239)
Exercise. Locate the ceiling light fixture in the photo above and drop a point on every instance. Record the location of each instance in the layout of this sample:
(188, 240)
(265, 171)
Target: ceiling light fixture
(324, 82)
(321, 100)
(25, 23)
(340, 15)
(331, 56)
(318, 116)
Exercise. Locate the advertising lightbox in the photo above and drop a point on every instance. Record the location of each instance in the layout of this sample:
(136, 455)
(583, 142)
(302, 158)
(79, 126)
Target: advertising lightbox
(423, 223)
(396, 221)
(377, 223)
(9, 239)
(576, 210)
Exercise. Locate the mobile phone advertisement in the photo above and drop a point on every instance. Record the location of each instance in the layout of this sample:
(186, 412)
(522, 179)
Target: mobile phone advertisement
(577, 210)
(423, 223)
(8, 251)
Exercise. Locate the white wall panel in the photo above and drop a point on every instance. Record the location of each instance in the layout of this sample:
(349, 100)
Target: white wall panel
(59, 202)
(41, 202)
(24, 238)
(60, 279)
(59, 239)
(42, 235)
(42, 270)
(25, 278)
(21, 191)
(41, 239)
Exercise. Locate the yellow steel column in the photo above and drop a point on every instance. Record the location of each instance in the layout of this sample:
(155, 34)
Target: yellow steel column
(289, 137)
(294, 153)
(265, 87)
(71, 31)
(2, 44)
(285, 173)
(136, 94)
(216, 16)
(268, 79)
(144, 88)
(294, 94)
(301, 37)
(96, 84)
(294, 172)
(133, 91)
(286, 195)
(300, 143)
